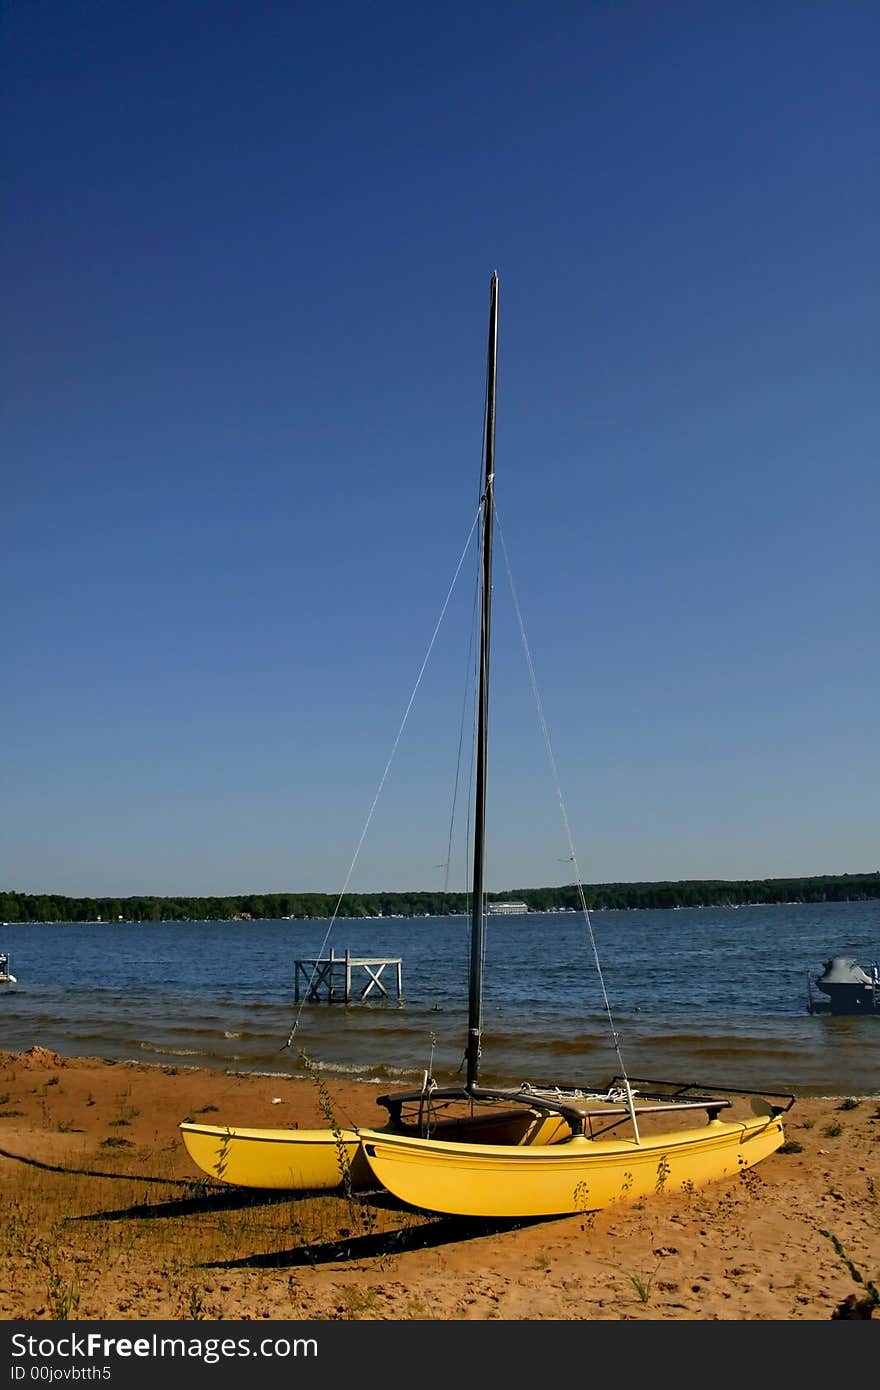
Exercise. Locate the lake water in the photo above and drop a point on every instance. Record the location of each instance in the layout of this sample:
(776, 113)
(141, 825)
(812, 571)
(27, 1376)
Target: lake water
(709, 995)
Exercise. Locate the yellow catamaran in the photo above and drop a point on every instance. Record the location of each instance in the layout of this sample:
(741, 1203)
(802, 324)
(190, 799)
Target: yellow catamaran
(533, 1150)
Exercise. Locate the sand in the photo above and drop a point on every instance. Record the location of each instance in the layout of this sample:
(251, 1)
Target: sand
(104, 1216)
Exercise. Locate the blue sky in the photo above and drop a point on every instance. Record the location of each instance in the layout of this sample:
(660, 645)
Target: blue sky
(246, 254)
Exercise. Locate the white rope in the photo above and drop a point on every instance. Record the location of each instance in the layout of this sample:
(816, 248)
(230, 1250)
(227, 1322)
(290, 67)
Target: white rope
(468, 691)
(615, 1037)
(384, 776)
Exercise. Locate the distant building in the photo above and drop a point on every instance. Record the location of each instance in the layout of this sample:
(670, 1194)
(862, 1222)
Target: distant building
(508, 907)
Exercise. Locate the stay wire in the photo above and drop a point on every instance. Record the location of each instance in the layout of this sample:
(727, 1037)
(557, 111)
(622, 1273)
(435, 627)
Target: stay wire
(468, 691)
(382, 780)
(615, 1037)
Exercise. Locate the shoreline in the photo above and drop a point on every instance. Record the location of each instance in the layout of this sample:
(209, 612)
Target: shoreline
(356, 918)
(343, 1077)
(106, 1217)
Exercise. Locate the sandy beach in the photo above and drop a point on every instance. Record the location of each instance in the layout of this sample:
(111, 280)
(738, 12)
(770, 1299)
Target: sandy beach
(105, 1216)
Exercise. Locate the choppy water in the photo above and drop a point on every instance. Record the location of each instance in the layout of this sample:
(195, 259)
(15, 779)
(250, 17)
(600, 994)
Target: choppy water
(700, 994)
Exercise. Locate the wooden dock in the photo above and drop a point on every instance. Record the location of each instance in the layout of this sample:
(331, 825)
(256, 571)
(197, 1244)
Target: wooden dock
(330, 977)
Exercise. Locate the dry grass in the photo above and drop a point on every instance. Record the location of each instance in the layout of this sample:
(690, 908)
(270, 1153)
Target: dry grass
(79, 1244)
(100, 1217)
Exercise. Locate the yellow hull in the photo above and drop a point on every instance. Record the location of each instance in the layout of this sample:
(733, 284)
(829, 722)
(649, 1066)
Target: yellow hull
(277, 1159)
(291, 1160)
(574, 1175)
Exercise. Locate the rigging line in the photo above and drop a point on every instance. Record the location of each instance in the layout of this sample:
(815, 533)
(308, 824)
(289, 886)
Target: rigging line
(468, 891)
(467, 682)
(473, 677)
(384, 776)
(464, 703)
(615, 1037)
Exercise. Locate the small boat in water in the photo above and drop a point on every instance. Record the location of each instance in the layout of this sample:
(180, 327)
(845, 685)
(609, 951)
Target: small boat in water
(6, 975)
(848, 988)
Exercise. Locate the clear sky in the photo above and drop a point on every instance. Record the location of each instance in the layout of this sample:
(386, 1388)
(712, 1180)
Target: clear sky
(246, 252)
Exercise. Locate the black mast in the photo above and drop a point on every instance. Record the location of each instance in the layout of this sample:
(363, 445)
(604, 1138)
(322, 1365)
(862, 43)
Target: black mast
(475, 996)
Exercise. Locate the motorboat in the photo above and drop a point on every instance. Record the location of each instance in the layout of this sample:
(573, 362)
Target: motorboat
(848, 989)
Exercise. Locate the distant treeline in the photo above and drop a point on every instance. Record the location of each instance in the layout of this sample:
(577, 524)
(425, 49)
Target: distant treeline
(51, 907)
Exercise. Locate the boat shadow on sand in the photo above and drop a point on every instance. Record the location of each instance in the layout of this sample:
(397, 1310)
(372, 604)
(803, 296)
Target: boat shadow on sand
(436, 1231)
(190, 1204)
(422, 1231)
